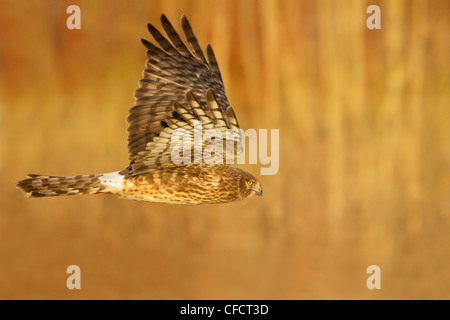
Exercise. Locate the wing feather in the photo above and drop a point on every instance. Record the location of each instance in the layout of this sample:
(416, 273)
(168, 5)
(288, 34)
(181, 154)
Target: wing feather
(192, 40)
(179, 85)
(174, 37)
(213, 62)
(159, 151)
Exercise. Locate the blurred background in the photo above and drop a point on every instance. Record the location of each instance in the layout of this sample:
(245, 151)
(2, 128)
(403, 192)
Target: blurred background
(364, 152)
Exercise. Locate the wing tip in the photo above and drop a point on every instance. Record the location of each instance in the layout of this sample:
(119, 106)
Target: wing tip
(151, 27)
(163, 18)
(185, 22)
(146, 43)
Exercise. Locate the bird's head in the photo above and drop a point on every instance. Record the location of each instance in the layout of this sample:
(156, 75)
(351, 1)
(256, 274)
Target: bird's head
(250, 185)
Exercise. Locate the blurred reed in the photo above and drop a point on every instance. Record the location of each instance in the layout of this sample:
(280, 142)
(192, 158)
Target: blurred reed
(364, 152)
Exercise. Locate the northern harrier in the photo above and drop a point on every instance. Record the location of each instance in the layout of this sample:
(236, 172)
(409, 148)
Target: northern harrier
(180, 88)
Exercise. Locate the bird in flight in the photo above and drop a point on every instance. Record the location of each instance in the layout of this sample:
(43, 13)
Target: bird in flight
(180, 89)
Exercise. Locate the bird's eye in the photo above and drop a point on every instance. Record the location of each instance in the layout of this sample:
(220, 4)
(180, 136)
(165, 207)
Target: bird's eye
(249, 182)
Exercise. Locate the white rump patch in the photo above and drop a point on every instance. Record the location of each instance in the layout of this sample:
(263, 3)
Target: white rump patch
(112, 179)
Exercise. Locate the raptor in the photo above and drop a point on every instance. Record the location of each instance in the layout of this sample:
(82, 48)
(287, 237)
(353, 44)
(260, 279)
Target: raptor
(180, 87)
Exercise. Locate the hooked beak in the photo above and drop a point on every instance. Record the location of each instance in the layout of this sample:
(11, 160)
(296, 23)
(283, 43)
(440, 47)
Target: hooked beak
(258, 191)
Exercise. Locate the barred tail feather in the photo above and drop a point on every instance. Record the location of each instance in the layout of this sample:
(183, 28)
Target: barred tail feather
(49, 186)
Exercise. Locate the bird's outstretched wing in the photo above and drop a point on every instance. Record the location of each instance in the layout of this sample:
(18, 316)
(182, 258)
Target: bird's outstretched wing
(179, 85)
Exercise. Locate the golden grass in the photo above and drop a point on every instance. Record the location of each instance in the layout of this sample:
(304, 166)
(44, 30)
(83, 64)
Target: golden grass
(364, 152)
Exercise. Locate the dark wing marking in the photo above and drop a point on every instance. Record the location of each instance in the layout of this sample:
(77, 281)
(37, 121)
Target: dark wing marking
(158, 152)
(172, 70)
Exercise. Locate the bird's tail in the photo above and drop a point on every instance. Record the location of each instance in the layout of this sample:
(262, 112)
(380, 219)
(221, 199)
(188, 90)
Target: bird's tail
(49, 186)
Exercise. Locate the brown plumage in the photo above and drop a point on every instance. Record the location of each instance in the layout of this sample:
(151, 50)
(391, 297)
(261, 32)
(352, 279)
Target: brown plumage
(192, 184)
(180, 87)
